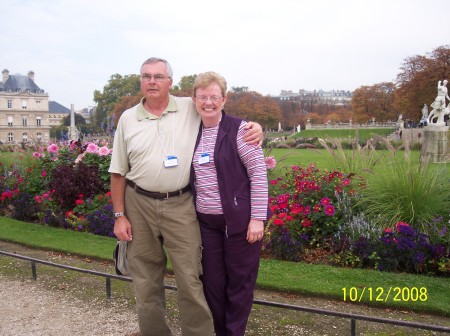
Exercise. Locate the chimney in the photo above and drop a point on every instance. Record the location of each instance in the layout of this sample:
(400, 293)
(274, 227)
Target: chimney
(5, 73)
(31, 75)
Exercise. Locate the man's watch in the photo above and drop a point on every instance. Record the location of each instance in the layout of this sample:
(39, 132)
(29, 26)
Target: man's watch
(118, 214)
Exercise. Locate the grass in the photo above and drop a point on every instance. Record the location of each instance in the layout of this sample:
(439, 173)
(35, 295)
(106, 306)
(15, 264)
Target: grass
(343, 134)
(315, 280)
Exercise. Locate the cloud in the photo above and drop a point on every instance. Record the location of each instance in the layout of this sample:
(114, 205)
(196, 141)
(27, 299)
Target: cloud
(74, 47)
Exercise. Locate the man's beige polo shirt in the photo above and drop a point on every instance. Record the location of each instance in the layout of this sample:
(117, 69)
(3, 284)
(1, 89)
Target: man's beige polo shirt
(143, 141)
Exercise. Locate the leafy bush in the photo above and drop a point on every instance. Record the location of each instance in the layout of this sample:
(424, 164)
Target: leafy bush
(68, 181)
(402, 248)
(101, 221)
(305, 209)
(24, 207)
(403, 191)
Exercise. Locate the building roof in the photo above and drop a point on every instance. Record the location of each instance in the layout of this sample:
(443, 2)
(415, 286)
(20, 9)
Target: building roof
(20, 83)
(54, 107)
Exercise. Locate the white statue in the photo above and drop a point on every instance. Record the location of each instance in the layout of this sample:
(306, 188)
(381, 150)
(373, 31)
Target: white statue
(425, 111)
(440, 109)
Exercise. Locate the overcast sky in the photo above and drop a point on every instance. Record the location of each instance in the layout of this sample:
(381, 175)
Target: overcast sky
(75, 46)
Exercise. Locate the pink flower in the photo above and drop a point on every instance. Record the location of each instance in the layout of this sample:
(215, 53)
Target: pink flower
(53, 148)
(346, 182)
(329, 210)
(92, 148)
(79, 202)
(44, 173)
(387, 230)
(270, 162)
(38, 199)
(307, 210)
(325, 201)
(103, 151)
(273, 182)
(36, 155)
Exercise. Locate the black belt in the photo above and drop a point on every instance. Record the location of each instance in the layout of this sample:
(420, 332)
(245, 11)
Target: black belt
(158, 195)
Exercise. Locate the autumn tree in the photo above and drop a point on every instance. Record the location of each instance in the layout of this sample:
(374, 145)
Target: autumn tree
(250, 105)
(118, 87)
(376, 101)
(126, 103)
(417, 81)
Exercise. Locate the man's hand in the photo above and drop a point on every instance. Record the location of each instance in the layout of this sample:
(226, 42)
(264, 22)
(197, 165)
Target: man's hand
(122, 229)
(254, 135)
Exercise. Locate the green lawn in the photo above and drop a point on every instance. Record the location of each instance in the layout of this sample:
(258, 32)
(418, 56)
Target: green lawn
(315, 280)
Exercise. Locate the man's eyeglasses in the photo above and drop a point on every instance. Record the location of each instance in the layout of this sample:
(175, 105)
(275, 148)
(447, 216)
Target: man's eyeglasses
(148, 77)
(204, 99)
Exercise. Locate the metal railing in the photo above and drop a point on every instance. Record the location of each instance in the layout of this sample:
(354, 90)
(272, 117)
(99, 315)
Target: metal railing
(353, 317)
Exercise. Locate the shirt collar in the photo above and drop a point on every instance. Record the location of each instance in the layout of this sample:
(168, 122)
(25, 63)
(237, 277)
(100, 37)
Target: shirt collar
(143, 114)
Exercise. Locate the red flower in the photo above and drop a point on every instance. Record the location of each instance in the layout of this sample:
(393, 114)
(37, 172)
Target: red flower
(278, 222)
(316, 208)
(44, 173)
(306, 222)
(79, 202)
(273, 182)
(387, 230)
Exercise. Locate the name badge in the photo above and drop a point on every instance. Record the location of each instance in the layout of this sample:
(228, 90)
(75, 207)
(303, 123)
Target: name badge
(171, 161)
(203, 158)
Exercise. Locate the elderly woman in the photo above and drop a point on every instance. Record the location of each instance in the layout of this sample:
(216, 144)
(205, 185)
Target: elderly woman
(229, 180)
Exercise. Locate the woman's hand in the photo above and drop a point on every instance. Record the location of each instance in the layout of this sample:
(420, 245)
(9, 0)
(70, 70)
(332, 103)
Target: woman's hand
(255, 230)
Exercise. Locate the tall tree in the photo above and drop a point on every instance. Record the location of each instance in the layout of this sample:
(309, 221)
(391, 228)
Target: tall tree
(376, 101)
(118, 87)
(417, 81)
(184, 86)
(253, 106)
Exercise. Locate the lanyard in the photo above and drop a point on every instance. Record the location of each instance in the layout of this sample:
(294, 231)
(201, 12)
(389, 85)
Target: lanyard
(173, 136)
(213, 136)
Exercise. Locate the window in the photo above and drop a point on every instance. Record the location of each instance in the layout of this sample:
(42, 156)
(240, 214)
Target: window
(24, 121)
(10, 121)
(38, 121)
(9, 103)
(25, 137)
(10, 137)
(24, 104)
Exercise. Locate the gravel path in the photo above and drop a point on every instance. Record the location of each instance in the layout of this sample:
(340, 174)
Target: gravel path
(71, 304)
(28, 309)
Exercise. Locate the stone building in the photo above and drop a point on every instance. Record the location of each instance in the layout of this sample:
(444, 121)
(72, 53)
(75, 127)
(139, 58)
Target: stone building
(24, 110)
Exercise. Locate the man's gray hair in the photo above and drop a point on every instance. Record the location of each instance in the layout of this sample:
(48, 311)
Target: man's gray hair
(152, 60)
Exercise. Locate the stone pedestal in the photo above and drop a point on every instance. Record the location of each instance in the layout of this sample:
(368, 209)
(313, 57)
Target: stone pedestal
(436, 145)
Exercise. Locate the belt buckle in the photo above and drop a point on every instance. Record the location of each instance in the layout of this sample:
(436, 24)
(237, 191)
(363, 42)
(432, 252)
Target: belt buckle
(167, 196)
